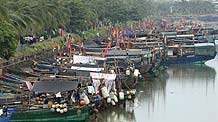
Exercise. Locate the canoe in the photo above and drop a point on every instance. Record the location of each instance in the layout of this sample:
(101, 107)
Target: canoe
(9, 80)
(6, 89)
(21, 73)
(12, 77)
(9, 84)
(46, 115)
(52, 69)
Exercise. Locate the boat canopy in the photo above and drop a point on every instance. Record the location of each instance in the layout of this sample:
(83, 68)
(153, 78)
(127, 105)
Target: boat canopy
(168, 33)
(77, 59)
(92, 69)
(141, 38)
(95, 75)
(204, 44)
(184, 36)
(199, 45)
(54, 86)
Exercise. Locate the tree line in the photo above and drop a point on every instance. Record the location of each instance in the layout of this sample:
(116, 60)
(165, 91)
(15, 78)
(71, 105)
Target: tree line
(19, 18)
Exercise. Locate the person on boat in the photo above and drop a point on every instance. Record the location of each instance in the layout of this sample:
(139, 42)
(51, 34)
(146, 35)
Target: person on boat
(45, 104)
(58, 97)
(79, 85)
(5, 110)
(73, 97)
(77, 96)
(1, 112)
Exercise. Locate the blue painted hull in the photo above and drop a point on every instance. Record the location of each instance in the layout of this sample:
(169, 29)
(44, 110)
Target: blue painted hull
(199, 59)
(52, 69)
(5, 119)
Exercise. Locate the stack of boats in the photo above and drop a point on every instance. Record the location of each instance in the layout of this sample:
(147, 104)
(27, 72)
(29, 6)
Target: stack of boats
(95, 76)
(68, 92)
(185, 47)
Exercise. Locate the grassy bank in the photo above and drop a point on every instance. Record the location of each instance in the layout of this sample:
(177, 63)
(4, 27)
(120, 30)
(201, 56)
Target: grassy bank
(39, 46)
(92, 32)
(47, 44)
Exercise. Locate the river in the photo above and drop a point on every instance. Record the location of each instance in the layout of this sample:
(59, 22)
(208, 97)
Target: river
(186, 93)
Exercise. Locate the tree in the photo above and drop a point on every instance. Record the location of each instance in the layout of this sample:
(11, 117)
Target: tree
(8, 42)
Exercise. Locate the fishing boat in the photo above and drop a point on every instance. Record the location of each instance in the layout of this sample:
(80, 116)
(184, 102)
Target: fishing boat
(6, 117)
(22, 73)
(118, 52)
(65, 113)
(195, 53)
(82, 66)
(5, 79)
(45, 68)
(46, 115)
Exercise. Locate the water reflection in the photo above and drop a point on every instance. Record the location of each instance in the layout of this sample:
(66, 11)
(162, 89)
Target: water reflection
(185, 94)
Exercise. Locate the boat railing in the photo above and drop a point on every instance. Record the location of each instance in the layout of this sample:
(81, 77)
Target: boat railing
(25, 58)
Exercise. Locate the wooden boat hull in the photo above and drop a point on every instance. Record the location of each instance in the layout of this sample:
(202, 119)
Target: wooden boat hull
(46, 115)
(144, 68)
(9, 80)
(21, 73)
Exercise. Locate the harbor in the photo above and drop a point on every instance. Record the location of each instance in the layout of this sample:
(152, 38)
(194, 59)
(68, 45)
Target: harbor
(117, 65)
(81, 82)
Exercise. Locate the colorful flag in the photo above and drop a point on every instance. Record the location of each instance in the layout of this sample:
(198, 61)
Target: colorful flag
(193, 31)
(59, 47)
(117, 37)
(104, 52)
(62, 32)
(177, 30)
(183, 22)
(53, 43)
(150, 24)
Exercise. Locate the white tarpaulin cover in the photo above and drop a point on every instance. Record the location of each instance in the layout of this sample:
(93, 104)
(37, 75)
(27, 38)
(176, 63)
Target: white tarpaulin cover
(77, 59)
(87, 69)
(95, 75)
(108, 78)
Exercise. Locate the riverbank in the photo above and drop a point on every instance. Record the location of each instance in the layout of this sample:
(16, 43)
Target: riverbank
(47, 44)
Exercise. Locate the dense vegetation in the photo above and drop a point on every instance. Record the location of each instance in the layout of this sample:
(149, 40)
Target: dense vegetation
(19, 18)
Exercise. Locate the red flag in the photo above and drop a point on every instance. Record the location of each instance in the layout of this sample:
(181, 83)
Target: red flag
(183, 22)
(69, 47)
(104, 52)
(193, 31)
(59, 47)
(114, 32)
(80, 42)
(144, 24)
(124, 40)
(62, 32)
(117, 37)
(53, 43)
(150, 24)
(165, 24)
(177, 30)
